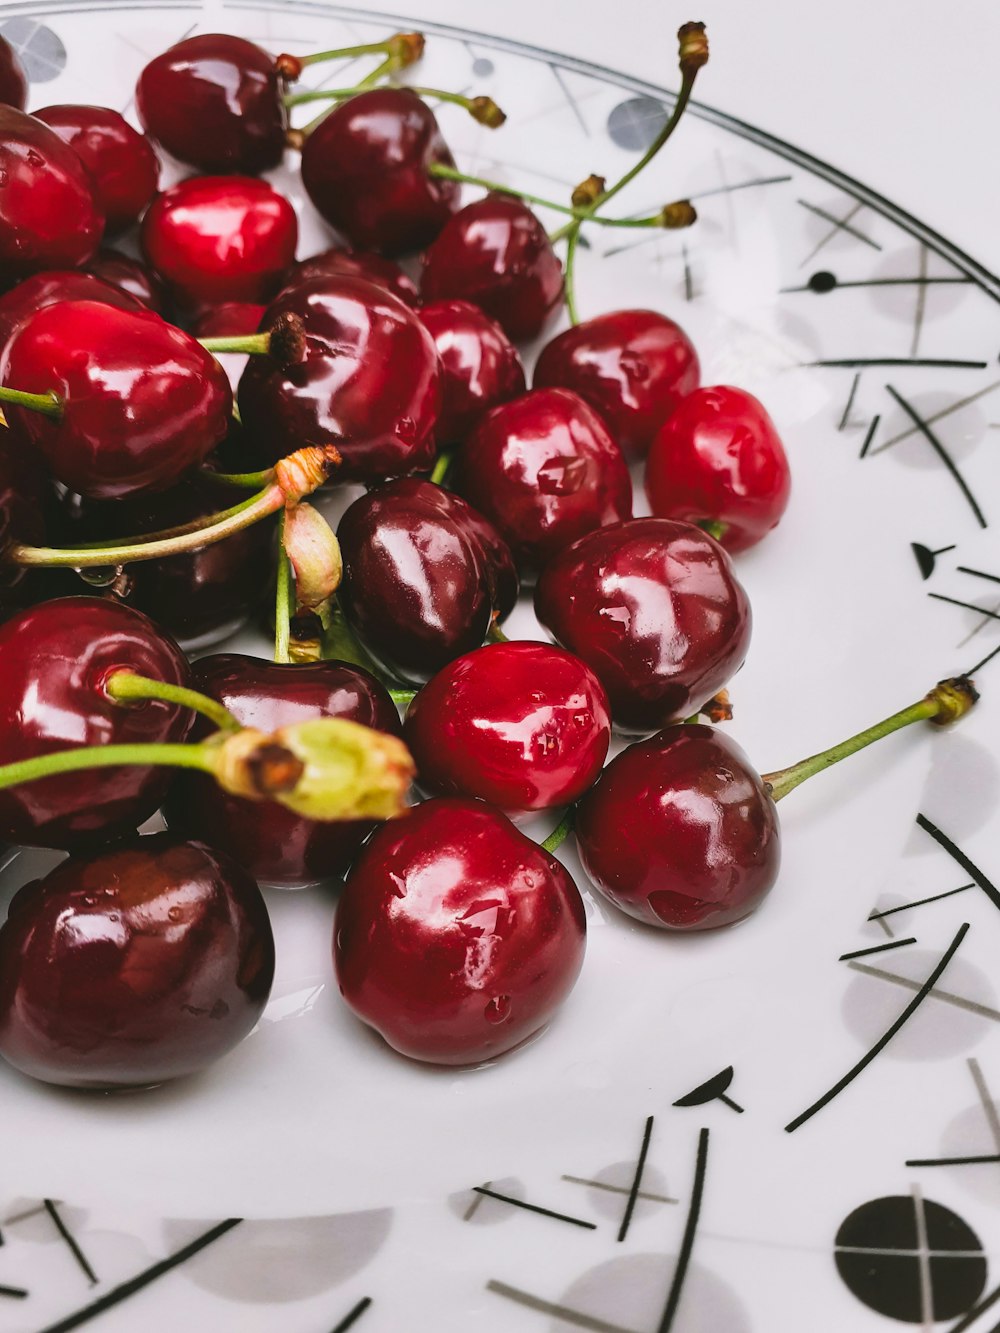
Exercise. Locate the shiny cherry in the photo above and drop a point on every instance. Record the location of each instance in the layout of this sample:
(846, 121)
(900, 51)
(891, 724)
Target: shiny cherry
(132, 276)
(337, 262)
(680, 831)
(525, 726)
(13, 83)
(369, 383)
(42, 289)
(142, 402)
(456, 937)
(632, 366)
(121, 161)
(496, 254)
(546, 471)
(421, 585)
(719, 457)
(655, 609)
(55, 660)
(480, 367)
(132, 966)
(273, 844)
(214, 102)
(365, 168)
(49, 216)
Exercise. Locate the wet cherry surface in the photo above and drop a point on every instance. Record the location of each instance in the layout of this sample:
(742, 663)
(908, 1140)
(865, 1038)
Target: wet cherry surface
(480, 367)
(42, 289)
(132, 276)
(354, 264)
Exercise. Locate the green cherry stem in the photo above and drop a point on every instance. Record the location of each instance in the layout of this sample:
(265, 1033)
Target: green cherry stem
(403, 48)
(284, 342)
(947, 702)
(127, 687)
(243, 481)
(403, 698)
(495, 634)
(442, 467)
(45, 403)
(105, 756)
(561, 832)
(284, 599)
(443, 172)
(569, 283)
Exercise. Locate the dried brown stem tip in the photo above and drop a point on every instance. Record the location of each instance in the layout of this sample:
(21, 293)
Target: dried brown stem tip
(954, 699)
(288, 67)
(405, 48)
(486, 112)
(288, 340)
(305, 471)
(718, 709)
(681, 213)
(693, 42)
(588, 192)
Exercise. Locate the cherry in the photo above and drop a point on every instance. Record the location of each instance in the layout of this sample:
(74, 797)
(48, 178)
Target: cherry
(25, 502)
(365, 169)
(525, 726)
(232, 319)
(132, 276)
(719, 458)
(369, 383)
(114, 372)
(480, 366)
(456, 937)
(655, 609)
(632, 366)
(121, 161)
(496, 254)
(275, 845)
(423, 577)
(220, 238)
(337, 262)
(55, 661)
(138, 964)
(49, 217)
(546, 471)
(43, 289)
(214, 101)
(13, 84)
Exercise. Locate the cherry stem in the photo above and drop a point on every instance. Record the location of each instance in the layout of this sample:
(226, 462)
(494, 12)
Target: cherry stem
(125, 686)
(252, 344)
(443, 172)
(561, 832)
(46, 403)
(403, 697)
(947, 702)
(347, 52)
(495, 634)
(105, 756)
(569, 282)
(283, 599)
(442, 467)
(248, 481)
(321, 95)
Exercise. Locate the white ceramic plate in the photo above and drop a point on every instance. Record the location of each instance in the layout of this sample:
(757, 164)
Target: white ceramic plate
(368, 1185)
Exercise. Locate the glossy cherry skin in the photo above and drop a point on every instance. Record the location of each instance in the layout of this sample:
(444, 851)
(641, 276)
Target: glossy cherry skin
(337, 262)
(456, 937)
(369, 383)
(719, 457)
(632, 366)
(55, 660)
(273, 844)
(680, 831)
(496, 254)
(220, 238)
(143, 402)
(421, 585)
(655, 609)
(480, 367)
(546, 471)
(132, 966)
(131, 276)
(214, 101)
(42, 289)
(49, 216)
(121, 161)
(365, 169)
(13, 84)
(525, 726)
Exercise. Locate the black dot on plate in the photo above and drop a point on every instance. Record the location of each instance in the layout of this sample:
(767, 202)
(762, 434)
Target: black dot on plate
(822, 281)
(636, 123)
(482, 67)
(39, 50)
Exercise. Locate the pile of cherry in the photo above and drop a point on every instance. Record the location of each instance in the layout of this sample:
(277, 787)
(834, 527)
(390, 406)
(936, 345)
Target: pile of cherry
(127, 474)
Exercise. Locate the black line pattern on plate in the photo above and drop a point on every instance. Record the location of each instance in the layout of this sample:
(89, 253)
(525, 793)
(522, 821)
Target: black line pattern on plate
(944, 996)
(70, 1241)
(875, 948)
(352, 1316)
(956, 854)
(714, 1089)
(919, 902)
(633, 1193)
(687, 1242)
(940, 450)
(533, 1208)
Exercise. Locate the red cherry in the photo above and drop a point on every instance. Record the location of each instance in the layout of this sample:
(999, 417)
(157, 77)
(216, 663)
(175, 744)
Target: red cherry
(214, 101)
(522, 725)
(231, 319)
(131, 276)
(365, 169)
(680, 831)
(719, 457)
(136, 965)
(496, 254)
(480, 366)
(25, 501)
(142, 402)
(220, 238)
(632, 366)
(354, 264)
(655, 610)
(121, 161)
(13, 84)
(545, 470)
(55, 660)
(43, 289)
(49, 217)
(456, 937)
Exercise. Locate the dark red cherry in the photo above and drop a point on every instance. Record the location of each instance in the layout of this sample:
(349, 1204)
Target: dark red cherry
(42, 289)
(220, 238)
(719, 457)
(121, 161)
(525, 726)
(354, 264)
(632, 366)
(369, 383)
(365, 169)
(456, 937)
(420, 584)
(214, 101)
(655, 609)
(232, 319)
(132, 966)
(273, 844)
(480, 366)
(680, 831)
(132, 276)
(49, 217)
(25, 502)
(142, 402)
(55, 660)
(546, 471)
(13, 83)
(496, 254)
